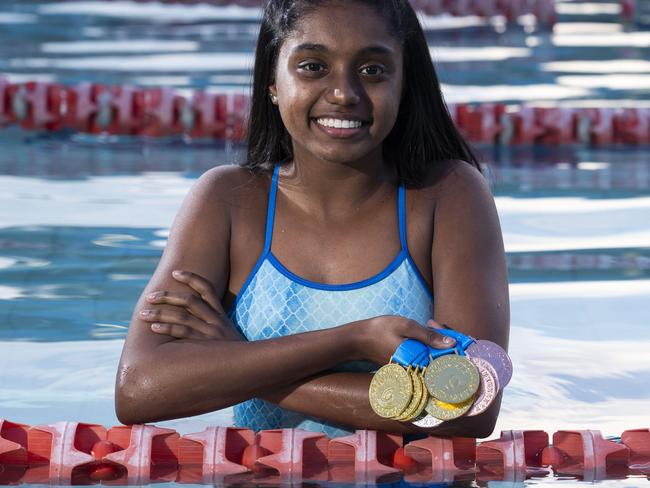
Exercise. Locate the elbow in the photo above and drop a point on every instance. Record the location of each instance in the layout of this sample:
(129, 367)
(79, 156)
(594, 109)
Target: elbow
(475, 427)
(483, 425)
(131, 394)
(478, 427)
(484, 429)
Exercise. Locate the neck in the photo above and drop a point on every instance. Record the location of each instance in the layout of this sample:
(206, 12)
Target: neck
(331, 191)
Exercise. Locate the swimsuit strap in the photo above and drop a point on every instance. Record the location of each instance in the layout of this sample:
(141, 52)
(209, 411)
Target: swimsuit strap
(270, 213)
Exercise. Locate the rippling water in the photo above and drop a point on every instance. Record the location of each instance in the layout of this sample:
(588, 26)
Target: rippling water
(84, 219)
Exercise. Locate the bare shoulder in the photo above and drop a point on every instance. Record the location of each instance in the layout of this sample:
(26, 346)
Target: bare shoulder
(450, 185)
(464, 202)
(459, 180)
(229, 185)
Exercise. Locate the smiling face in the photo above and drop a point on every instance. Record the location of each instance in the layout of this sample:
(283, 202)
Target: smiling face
(338, 83)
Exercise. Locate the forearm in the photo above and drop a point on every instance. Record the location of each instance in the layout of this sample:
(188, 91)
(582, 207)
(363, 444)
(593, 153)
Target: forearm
(183, 378)
(342, 398)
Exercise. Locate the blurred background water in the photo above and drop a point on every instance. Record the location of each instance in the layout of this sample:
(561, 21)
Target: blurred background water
(84, 218)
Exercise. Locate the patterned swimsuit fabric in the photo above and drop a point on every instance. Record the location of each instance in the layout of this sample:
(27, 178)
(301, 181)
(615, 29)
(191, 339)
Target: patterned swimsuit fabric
(274, 302)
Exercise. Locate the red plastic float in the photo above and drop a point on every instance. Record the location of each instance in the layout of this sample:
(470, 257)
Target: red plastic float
(13, 443)
(157, 112)
(638, 442)
(145, 453)
(78, 453)
(586, 454)
(366, 455)
(442, 459)
(514, 456)
(295, 453)
(543, 10)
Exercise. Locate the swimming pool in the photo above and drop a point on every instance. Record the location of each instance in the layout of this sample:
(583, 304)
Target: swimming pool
(84, 218)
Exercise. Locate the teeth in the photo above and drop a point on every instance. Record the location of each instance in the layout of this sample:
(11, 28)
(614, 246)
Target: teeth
(339, 123)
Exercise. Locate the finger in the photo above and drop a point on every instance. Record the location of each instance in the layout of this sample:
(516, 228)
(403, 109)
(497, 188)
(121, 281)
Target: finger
(179, 316)
(436, 325)
(202, 286)
(174, 330)
(430, 337)
(195, 305)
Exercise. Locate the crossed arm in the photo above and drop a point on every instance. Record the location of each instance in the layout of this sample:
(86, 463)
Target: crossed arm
(161, 377)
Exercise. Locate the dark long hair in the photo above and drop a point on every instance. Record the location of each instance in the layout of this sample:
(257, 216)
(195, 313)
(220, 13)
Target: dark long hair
(424, 133)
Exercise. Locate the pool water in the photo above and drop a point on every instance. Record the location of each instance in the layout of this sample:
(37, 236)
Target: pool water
(84, 218)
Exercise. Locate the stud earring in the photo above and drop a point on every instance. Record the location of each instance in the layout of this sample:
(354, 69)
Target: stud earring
(274, 98)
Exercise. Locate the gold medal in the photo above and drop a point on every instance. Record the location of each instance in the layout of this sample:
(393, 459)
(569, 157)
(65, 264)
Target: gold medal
(418, 390)
(391, 390)
(423, 401)
(452, 379)
(448, 411)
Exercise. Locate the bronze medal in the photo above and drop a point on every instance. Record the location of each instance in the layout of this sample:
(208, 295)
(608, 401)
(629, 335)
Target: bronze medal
(489, 387)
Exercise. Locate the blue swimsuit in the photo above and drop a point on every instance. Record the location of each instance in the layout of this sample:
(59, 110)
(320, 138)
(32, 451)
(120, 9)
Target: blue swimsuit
(274, 302)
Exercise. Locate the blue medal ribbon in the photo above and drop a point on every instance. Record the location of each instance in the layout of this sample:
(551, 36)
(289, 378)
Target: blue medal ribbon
(408, 352)
(462, 341)
(412, 353)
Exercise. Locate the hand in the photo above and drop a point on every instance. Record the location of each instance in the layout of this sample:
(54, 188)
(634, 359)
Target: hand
(197, 315)
(379, 337)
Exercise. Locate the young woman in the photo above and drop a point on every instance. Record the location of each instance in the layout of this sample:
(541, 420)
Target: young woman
(357, 204)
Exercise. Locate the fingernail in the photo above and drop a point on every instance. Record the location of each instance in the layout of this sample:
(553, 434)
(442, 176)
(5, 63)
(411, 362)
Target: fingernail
(447, 340)
(155, 326)
(145, 312)
(151, 296)
(177, 273)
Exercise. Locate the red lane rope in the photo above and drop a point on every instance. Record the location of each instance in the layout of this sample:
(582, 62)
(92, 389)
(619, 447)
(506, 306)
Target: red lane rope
(160, 112)
(71, 452)
(542, 10)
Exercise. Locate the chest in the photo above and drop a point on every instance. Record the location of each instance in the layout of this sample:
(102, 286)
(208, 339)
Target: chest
(338, 253)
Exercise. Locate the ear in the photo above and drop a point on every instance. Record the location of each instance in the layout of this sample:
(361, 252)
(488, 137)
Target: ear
(273, 91)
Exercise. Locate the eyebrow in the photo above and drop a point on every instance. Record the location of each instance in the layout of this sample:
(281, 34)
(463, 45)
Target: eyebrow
(310, 46)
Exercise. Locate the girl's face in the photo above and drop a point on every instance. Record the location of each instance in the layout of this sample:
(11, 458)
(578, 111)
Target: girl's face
(340, 67)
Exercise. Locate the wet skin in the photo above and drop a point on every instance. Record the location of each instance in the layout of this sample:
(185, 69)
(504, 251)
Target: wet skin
(336, 222)
(333, 64)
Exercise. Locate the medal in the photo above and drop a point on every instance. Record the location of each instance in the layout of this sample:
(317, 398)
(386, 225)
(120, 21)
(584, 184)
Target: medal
(489, 387)
(419, 390)
(390, 390)
(392, 386)
(447, 411)
(428, 386)
(496, 356)
(427, 421)
(452, 379)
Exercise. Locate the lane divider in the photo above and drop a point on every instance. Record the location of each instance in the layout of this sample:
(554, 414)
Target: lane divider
(543, 10)
(162, 112)
(74, 453)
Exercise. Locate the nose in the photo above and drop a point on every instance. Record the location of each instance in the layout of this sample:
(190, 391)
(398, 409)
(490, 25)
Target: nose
(343, 92)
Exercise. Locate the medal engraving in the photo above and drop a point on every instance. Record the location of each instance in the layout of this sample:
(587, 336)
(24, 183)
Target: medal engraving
(496, 356)
(391, 390)
(413, 409)
(489, 387)
(452, 379)
(448, 411)
(427, 422)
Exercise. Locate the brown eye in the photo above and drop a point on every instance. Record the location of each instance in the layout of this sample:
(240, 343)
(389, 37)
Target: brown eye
(373, 70)
(311, 67)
